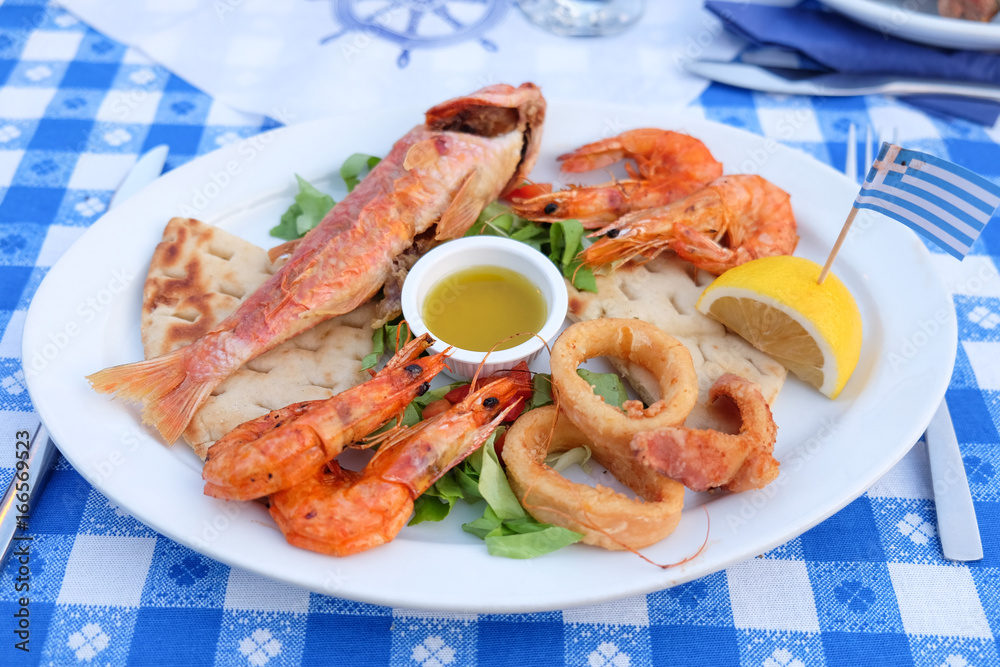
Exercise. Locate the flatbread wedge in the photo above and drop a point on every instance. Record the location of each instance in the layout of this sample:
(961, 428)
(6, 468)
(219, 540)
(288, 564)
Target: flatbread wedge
(200, 274)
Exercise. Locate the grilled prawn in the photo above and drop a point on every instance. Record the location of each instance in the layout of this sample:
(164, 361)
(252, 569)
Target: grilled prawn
(284, 447)
(668, 166)
(340, 512)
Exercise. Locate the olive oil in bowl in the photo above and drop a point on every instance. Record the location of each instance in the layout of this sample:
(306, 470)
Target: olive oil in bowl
(475, 308)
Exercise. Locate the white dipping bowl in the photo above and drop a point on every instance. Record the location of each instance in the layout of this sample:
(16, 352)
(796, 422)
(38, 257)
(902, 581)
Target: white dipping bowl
(470, 252)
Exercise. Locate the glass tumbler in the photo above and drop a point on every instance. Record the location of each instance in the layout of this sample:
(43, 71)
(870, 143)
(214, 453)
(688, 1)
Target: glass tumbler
(582, 18)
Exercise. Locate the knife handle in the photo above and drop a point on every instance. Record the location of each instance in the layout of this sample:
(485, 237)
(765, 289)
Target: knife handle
(41, 453)
(956, 515)
(923, 87)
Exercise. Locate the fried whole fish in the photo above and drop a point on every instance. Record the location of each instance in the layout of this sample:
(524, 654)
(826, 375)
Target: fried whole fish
(469, 151)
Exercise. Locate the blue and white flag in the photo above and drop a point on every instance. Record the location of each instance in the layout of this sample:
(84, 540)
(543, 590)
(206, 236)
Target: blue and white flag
(946, 203)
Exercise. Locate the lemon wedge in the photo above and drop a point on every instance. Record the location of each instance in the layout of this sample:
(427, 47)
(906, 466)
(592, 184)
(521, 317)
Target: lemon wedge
(776, 305)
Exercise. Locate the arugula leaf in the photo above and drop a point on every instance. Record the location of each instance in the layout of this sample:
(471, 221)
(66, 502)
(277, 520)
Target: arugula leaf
(565, 244)
(528, 234)
(311, 205)
(541, 386)
(309, 208)
(351, 170)
(581, 276)
(564, 238)
(286, 229)
(494, 220)
(384, 336)
(447, 487)
(606, 385)
(561, 241)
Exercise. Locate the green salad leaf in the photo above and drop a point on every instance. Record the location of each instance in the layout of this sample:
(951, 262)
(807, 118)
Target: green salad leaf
(541, 390)
(311, 205)
(545, 539)
(565, 244)
(309, 208)
(606, 385)
(562, 460)
(385, 337)
(436, 502)
(494, 487)
(506, 528)
(560, 241)
(461, 482)
(351, 170)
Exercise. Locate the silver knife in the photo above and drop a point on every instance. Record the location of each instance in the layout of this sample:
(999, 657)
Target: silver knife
(808, 82)
(15, 511)
(24, 490)
(956, 516)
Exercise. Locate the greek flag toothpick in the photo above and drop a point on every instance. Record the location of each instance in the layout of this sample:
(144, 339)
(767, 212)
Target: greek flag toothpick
(948, 204)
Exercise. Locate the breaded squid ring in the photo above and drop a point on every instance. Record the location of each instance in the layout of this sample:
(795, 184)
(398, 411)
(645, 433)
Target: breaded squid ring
(702, 459)
(632, 340)
(606, 518)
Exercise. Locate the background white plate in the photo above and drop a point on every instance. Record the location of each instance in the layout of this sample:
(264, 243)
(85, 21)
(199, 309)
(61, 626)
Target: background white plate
(919, 22)
(85, 316)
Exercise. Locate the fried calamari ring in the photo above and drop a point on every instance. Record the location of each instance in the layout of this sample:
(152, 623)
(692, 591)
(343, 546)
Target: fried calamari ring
(606, 518)
(702, 459)
(632, 340)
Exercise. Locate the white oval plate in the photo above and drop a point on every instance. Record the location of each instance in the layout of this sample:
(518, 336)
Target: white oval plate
(85, 316)
(920, 22)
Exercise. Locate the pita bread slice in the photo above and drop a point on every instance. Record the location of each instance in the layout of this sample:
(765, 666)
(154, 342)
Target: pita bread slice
(198, 276)
(663, 292)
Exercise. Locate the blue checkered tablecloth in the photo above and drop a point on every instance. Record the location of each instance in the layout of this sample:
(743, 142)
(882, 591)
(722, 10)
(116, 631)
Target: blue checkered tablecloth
(869, 586)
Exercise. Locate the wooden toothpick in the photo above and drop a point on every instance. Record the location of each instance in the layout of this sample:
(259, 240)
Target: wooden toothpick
(836, 246)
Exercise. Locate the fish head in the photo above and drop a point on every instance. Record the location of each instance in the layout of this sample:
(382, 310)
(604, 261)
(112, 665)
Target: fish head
(493, 111)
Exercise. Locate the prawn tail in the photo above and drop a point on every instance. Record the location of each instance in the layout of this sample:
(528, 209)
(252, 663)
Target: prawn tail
(702, 251)
(169, 397)
(217, 491)
(592, 156)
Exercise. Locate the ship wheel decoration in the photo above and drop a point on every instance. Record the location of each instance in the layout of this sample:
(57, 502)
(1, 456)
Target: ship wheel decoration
(419, 24)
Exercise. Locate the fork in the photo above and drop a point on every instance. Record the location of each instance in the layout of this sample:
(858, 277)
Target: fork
(956, 515)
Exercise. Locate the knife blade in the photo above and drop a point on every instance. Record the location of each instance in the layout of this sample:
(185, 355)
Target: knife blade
(809, 82)
(956, 515)
(41, 450)
(145, 170)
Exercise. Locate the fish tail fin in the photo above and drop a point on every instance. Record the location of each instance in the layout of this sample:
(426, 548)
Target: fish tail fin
(169, 397)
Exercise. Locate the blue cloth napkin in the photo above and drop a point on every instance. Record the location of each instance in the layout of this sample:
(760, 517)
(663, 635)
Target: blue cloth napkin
(837, 43)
